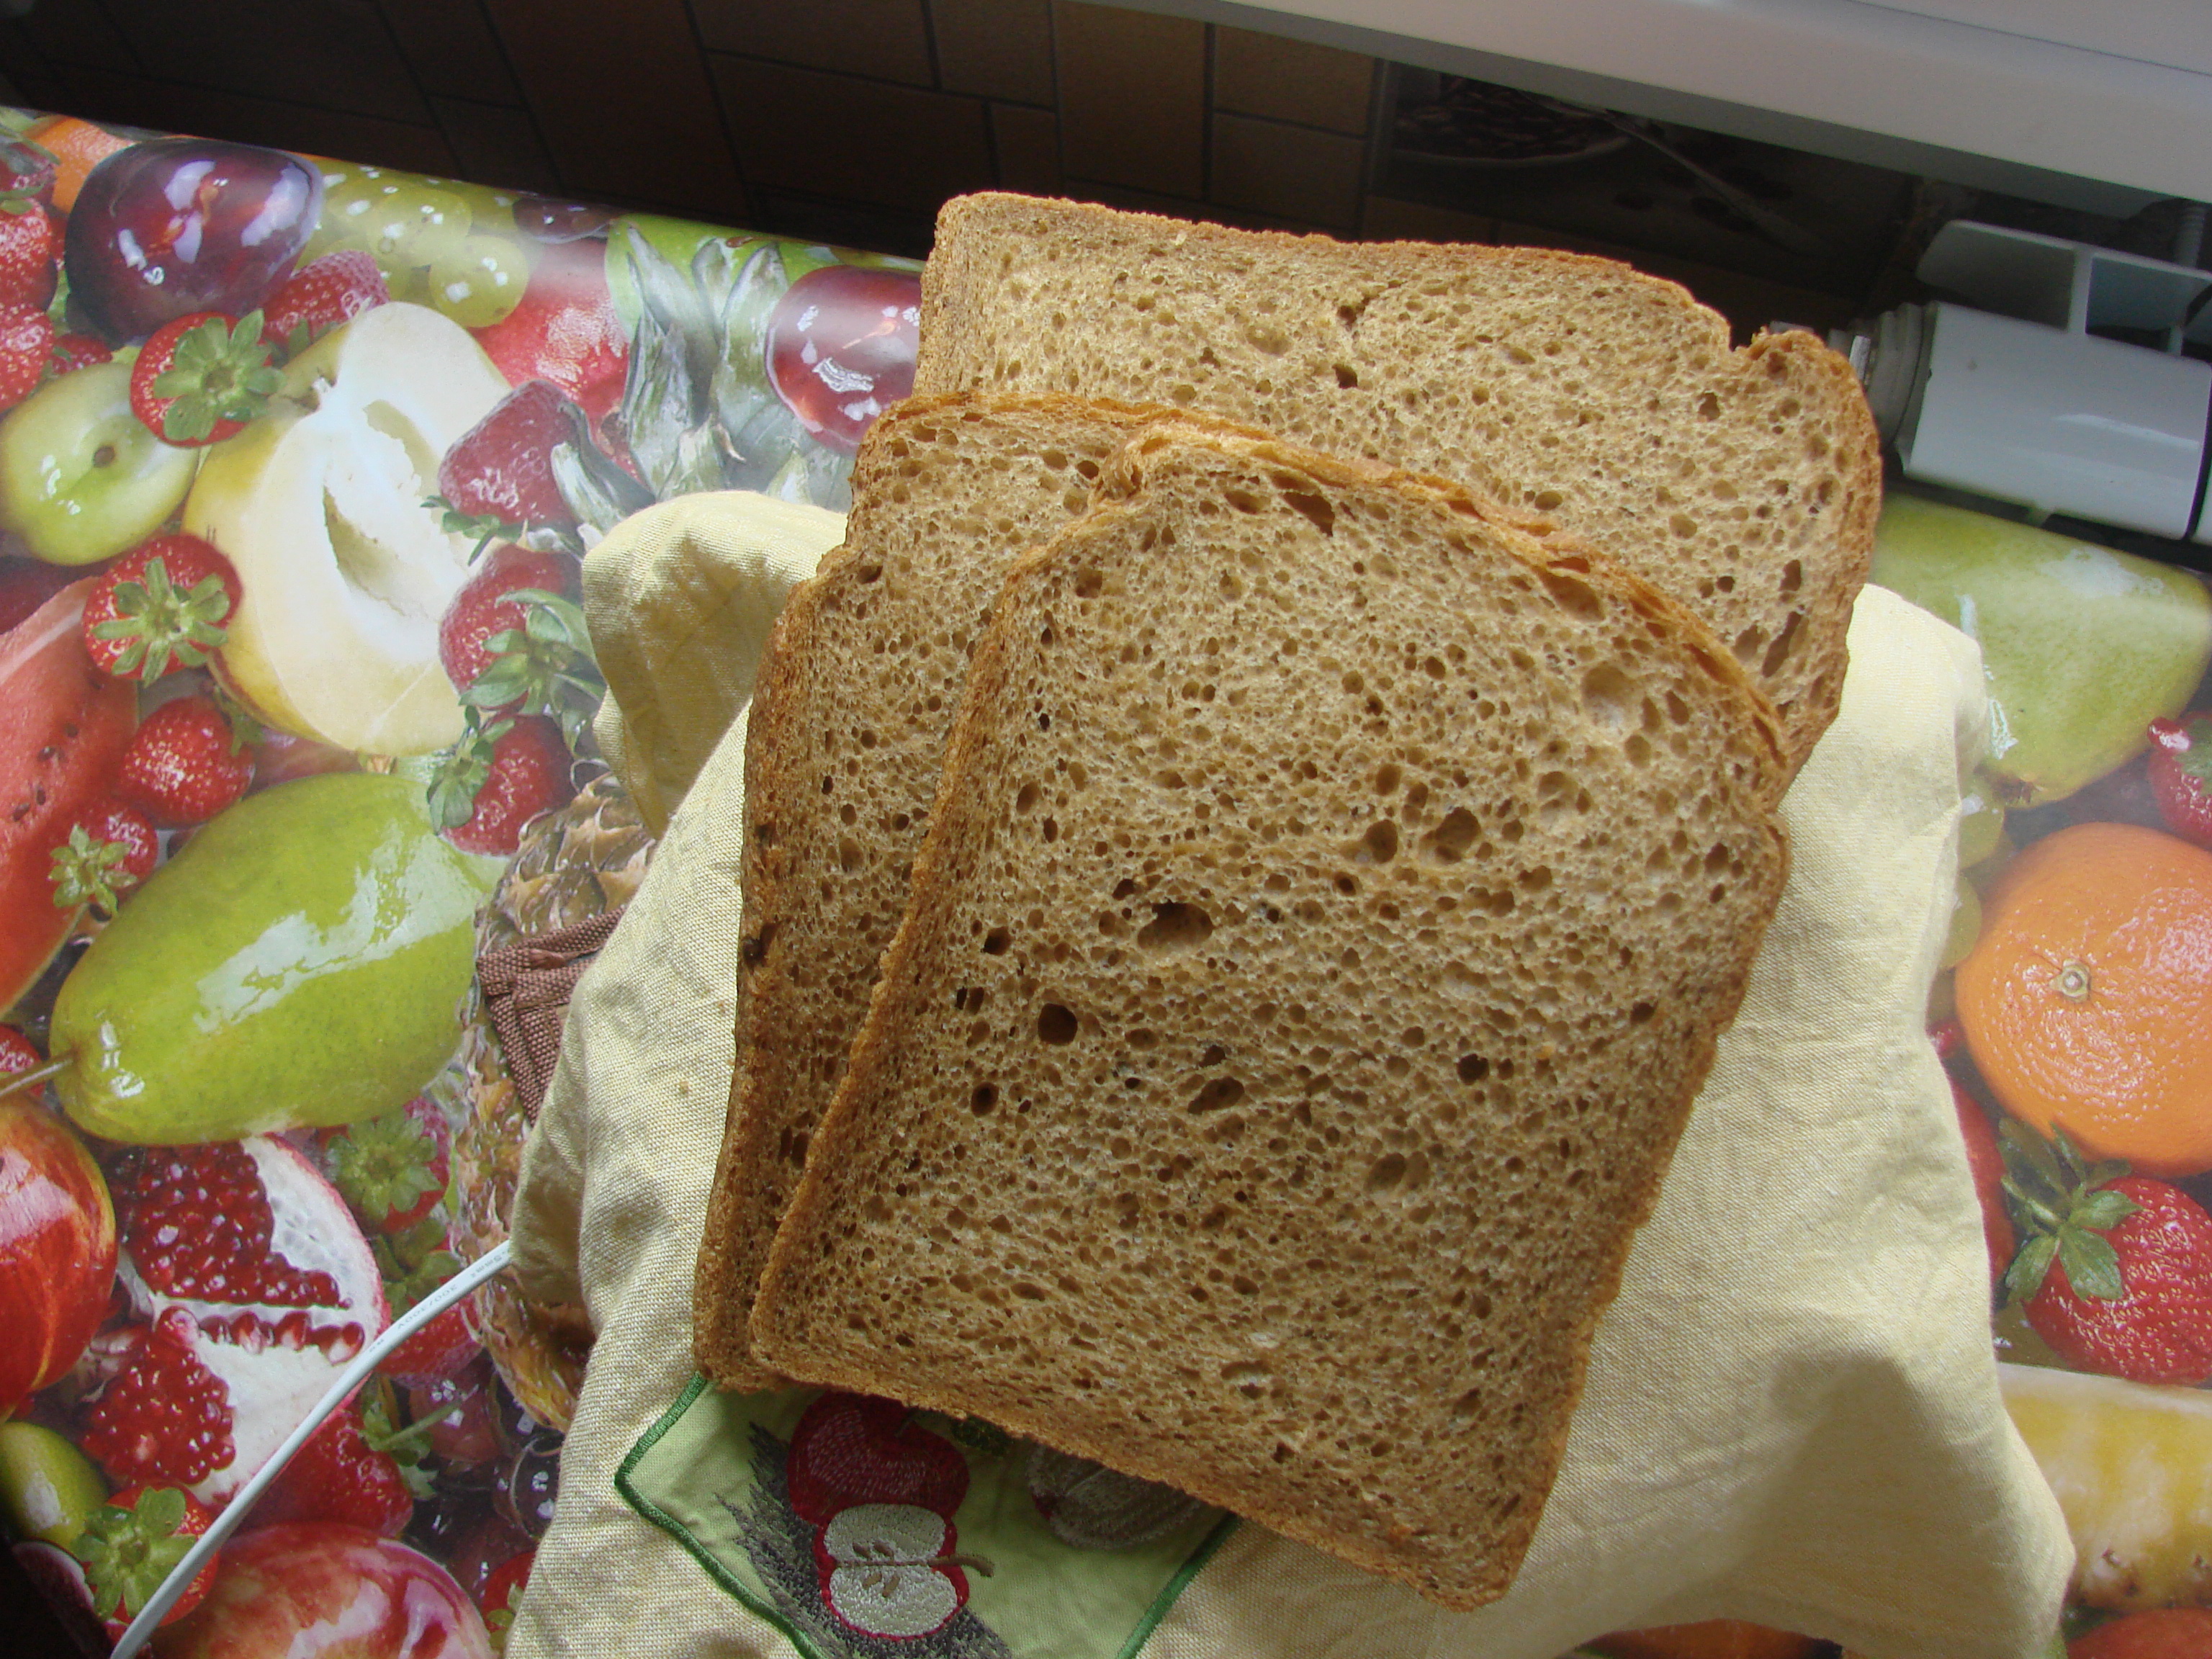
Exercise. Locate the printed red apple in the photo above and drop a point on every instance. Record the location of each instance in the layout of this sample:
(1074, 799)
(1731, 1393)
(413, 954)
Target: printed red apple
(57, 1249)
(881, 1492)
(319, 1590)
(851, 1449)
(888, 1570)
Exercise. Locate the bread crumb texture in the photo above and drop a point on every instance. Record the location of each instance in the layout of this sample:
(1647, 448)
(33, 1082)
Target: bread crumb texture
(1333, 903)
(855, 699)
(1744, 483)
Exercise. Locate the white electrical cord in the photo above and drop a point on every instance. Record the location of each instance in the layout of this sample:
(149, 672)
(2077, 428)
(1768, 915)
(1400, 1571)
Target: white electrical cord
(203, 1547)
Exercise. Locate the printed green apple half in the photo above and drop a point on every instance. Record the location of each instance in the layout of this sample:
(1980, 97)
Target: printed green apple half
(344, 573)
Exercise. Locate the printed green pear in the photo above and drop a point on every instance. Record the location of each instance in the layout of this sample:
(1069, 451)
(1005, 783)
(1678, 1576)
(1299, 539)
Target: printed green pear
(300, 963)
(2082, 645)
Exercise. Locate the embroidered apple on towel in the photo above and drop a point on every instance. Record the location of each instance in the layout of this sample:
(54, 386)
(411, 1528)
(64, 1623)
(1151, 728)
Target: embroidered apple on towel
(880, 1492)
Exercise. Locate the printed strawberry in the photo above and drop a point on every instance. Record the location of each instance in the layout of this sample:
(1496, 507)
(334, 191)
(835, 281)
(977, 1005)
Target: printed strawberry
(1985, 1162)
(30, 249)
(503, 464)
(26, 344)
(356, 1469)
(185, 763)
(75, 351)
(512, 644)
(160, 607)
(110, 850)
(444, 1347)
(2181, 772)
(201, 379)
(18, 1053)
(391, 1169)
(487, 604)
(2116, 1271)
(565, 330)
(498, 778)
(334, 289)
(502, 1595)
(132, 1544)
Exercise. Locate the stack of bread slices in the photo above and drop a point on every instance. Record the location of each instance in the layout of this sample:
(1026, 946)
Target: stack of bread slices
(1251, 842)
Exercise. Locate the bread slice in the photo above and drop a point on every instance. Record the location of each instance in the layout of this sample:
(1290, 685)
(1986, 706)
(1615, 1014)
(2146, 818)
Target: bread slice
(1744, 484)
(1329, 910)
(849, 716)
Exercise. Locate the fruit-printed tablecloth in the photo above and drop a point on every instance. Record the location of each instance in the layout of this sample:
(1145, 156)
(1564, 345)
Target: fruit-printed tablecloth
(297, 462)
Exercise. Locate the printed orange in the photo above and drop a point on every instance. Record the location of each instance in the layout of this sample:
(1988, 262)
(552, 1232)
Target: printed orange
(2087, 1002)
(79, 146)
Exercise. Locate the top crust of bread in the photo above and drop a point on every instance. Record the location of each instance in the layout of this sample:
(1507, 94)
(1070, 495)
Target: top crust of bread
(1327, 914)
(1743, 482)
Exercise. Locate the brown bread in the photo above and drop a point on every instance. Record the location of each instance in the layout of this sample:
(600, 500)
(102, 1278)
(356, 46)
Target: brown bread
(847, 724)
(1744, 484)
(1325, 923)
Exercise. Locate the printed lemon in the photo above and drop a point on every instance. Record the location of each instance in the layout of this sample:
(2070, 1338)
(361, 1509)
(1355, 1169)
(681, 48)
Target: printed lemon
(2087, 1000)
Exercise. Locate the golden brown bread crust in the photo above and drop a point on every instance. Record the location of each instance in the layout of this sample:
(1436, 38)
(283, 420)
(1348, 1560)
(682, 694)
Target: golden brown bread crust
(1744, 484)
(1318, 1045)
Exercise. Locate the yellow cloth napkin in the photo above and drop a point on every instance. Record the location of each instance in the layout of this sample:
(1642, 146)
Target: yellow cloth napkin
(1791, 1413)
(680, 600)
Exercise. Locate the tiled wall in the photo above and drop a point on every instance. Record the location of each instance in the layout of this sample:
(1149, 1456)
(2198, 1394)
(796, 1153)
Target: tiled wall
(845, 119)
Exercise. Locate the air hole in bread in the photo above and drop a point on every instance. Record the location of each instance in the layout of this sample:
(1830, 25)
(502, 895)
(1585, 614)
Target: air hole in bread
(1219, 1092)
(1176, 926)
(1572, 596)
(995, 942)
(1709, 407)
(985, 1097)
(1472, 1068)
(1315, 509)
(1380, 844)
(1450, 838)
(1346, 376)
(1089, 583)
(1055, 1024)
(1243, 500)
(1026, 798)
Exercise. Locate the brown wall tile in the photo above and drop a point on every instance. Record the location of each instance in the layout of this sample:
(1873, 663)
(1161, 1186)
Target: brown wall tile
(889, 38)
(78, 32)
(834, 135)
(623, 98)
(1133, 98)
(450, 46)
(494, 144)
(1000, 48)
(336, 53)
(1028, 141)
(1291, 80)
(1295, 173)
(169, 106)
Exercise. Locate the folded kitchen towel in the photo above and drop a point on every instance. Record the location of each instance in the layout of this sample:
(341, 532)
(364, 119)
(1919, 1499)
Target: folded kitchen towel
(679, 601)
(1790, 1416)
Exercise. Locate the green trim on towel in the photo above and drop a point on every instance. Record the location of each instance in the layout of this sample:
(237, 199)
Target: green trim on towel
(924, 1537)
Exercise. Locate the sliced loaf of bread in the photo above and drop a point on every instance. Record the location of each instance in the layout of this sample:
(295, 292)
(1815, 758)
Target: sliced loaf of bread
(848, 721)
(1326, 920)
(1743, 482)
